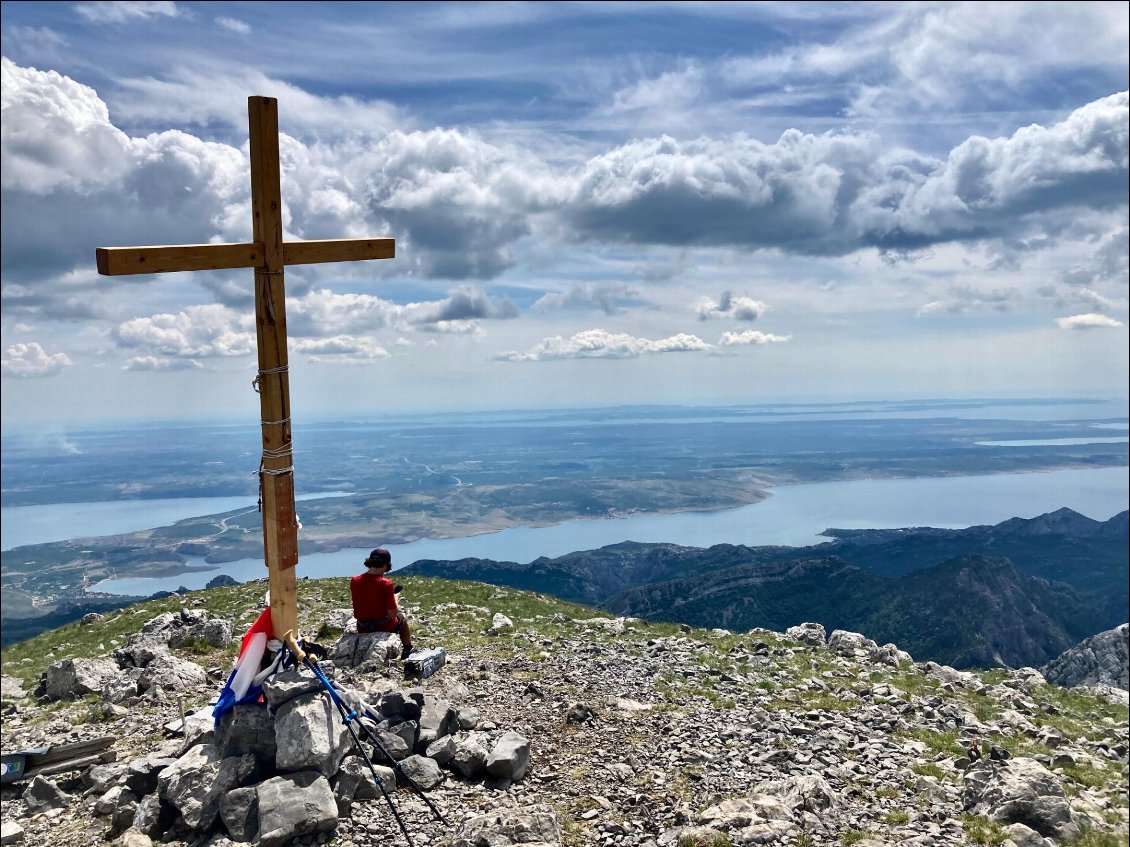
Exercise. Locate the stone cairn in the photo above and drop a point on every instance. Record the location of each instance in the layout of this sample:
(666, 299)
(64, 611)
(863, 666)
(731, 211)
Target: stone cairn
(285, 767)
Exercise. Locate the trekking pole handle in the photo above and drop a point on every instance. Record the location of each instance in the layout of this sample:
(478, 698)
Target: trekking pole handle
(292, 642)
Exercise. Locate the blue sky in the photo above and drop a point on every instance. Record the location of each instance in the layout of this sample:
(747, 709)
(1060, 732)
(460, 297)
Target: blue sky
(593, 203)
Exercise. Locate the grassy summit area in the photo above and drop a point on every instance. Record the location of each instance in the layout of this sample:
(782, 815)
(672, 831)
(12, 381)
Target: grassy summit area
(678, 718)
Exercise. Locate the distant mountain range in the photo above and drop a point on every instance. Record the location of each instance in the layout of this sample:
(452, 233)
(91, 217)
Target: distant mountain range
(1018, 593)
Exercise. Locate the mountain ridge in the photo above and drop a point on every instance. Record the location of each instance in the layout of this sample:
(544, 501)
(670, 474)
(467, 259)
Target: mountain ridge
(1057, 578)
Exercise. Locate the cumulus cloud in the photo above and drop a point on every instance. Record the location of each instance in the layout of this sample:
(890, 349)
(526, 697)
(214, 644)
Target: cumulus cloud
(160, 363)
(751, 336)
(124, 11)
(56, 134)
(462, 201)
(600, 344)
(456, 203)
(321, 324)
(729, 306)
(339, 349)
(1091, 321)
(836, 193)
(324, 313)
(72, 180)
(463, 207)
(197, 332)
(26, 361)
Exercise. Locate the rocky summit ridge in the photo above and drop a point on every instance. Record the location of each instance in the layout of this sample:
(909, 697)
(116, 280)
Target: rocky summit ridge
(1102, 659)
(552, 725)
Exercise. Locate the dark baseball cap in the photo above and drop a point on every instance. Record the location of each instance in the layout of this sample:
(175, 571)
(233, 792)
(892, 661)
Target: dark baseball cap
(379, 557)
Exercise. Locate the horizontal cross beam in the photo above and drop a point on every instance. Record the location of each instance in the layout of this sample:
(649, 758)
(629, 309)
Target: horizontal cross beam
(124, 261)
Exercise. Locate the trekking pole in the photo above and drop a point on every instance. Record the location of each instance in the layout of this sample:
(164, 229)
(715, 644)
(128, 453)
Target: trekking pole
(336, 698)
(348, 715)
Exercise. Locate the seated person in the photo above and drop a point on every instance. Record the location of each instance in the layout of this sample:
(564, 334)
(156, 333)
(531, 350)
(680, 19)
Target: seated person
(374, 601)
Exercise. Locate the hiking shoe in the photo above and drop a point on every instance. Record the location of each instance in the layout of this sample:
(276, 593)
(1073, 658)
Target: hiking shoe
(405, 651)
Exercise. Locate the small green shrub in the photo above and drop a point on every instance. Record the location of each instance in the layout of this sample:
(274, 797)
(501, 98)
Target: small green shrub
(930, 769)
(718, 840)
(983, 831)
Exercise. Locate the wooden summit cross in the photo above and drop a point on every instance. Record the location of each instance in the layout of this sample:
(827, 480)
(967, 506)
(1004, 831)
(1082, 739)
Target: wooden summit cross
(267, 254)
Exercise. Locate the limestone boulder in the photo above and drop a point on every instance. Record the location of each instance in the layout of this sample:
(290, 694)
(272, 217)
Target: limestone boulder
(1020, 791)
(141, 649)
(248, 728)
(341, 620)
(310, 735)
(285, 686)
(354, 649)
(852, 644)
(808, 634)
(68, 679)
(293, 806)
(197, 782)
(470, 759)
(41, 794)
(423, 771)
(239, 811)
(437, 719)
(803, 792)
(171, 673)
(499, 624)
(510, 757)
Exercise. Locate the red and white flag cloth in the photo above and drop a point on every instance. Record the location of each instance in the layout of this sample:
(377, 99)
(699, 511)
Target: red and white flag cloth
(244, 681)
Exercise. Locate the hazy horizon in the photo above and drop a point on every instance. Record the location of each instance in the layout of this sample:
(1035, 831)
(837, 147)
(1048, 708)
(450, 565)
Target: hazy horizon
(1112, 407)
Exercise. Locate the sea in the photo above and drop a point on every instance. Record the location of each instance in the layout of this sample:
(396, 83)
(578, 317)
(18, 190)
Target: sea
(794, 515)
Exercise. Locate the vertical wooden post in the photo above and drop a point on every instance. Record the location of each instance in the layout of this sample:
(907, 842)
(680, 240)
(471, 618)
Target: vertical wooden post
(280, 526)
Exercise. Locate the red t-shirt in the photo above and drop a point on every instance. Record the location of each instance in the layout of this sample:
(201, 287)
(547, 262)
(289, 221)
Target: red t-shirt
(373, 597)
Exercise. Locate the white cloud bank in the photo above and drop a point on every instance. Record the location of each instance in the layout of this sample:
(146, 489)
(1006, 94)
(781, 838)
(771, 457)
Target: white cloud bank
(197, 332)
(322, 324)
(463, 206)
(751, 336)
(157, 363)
(30, 360)
(339, 350)
(600, 344)
(1091, 321)
(837, 193)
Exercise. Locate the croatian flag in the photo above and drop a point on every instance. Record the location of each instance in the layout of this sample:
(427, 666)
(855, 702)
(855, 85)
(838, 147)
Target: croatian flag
(243, 685)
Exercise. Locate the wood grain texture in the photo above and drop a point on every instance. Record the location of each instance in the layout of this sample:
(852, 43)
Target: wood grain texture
(126, 261)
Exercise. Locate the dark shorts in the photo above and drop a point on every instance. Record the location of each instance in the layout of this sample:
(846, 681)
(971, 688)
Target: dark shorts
(386, 625)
